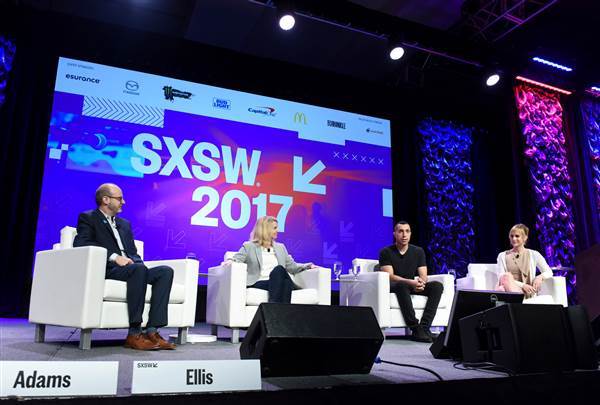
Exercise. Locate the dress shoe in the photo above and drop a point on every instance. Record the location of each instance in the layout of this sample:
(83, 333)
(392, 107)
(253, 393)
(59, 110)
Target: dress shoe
(140, 342)
(419, 335)
(158, 340)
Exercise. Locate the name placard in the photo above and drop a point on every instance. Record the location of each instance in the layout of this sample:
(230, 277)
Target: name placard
(153, 377)
(58, 378)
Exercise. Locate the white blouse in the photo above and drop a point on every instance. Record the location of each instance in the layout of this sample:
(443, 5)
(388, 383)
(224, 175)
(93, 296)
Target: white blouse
(269, 262)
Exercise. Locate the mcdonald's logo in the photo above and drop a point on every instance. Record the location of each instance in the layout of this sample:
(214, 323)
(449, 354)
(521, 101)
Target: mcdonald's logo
(300, 117)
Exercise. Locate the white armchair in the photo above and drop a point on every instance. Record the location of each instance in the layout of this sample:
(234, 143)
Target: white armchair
(231, 304)
(69, 289)
(484, 276)
(372, 289)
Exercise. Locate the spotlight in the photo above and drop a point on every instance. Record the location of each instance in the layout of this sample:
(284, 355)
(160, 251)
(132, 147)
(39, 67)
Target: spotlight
(492, 79)
(287, 21)
(396, 53)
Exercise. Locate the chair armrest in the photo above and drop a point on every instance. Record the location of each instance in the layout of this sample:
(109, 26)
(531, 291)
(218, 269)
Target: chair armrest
(319, 279)
(465, 283)
(447, 281)
(368, 290)
(185, 272)
(226, 294)
(556, 287)
(68, 287)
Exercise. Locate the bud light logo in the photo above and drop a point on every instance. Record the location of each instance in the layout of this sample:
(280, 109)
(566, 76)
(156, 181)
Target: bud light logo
(221, 103)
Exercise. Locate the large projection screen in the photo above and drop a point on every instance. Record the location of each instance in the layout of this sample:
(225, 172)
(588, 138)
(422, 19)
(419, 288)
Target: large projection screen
(198, 164)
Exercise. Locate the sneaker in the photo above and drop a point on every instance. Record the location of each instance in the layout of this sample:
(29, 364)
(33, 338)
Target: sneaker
(420, 335)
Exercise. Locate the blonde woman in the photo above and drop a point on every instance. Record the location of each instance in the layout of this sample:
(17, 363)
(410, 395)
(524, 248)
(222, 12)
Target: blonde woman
(518, 265)
(269, 262)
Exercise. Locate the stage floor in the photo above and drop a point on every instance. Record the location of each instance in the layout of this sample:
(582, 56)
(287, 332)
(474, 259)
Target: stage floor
(16, 343)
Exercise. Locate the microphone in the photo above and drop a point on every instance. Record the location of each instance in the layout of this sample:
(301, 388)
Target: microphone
(269, 250)
(517, 255)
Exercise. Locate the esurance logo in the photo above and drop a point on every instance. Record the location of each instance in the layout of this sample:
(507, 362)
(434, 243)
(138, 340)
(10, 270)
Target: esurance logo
(336, 124)
(268, 111)
(221, 103)
(82, 78)
(171, 93)
(132, 87)
(300, 117)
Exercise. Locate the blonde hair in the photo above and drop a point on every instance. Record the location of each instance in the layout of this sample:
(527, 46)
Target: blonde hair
(261, 234)
(521, 227)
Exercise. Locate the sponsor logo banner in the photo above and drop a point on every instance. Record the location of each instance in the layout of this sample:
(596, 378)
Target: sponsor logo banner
(132, 87)
(171, 93)
(374, 131)
(221, 103)
(268, 111)
(336, 124)
(154, 377)
(58, 378)
(80, 78)
(300, 117)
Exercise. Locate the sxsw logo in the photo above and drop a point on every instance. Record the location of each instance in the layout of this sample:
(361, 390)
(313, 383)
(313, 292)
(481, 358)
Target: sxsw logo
(221, 103)
(300, 117)
(336, 124)
(171, 93)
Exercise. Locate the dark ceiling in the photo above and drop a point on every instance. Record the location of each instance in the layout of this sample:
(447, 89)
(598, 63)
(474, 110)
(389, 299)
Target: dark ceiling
(351, 37)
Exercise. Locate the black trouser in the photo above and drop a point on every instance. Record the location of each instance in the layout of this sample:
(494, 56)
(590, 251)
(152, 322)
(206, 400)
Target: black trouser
(433, 290)
(138, 276)
(279, 285)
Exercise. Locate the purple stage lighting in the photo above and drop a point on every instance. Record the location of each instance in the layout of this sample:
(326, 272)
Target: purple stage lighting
(552, 64)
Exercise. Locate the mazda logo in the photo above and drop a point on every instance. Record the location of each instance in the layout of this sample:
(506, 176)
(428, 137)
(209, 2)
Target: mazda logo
(132, 85)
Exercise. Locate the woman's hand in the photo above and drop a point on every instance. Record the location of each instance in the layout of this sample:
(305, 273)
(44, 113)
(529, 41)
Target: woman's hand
(537, 283)
(528, 289)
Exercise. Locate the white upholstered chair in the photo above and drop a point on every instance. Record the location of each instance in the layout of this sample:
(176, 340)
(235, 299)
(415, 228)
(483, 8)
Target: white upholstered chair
(484, 276)
(69, 289)
(372, 289)
(231, 304)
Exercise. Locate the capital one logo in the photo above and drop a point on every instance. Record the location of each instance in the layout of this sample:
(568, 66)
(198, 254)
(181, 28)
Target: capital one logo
(300, 117)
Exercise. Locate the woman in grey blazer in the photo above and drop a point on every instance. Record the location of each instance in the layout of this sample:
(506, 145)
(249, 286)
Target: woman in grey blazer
(269, 262)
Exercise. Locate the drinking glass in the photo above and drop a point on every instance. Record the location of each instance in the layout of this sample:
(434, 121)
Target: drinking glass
(355, 270)
(337, 270)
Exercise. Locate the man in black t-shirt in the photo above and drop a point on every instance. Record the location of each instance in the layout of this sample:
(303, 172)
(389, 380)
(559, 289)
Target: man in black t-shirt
(404, 262)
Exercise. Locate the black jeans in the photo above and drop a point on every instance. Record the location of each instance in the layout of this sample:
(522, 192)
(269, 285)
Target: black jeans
(279, 285)
(138, 276)
(433, 290)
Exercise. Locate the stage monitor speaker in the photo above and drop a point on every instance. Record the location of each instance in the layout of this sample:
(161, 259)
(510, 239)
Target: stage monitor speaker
(302, 340)
(582, 338)
(523, 338)
(596, 332)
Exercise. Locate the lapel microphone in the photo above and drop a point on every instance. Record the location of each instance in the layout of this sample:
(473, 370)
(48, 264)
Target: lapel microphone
(517, 255)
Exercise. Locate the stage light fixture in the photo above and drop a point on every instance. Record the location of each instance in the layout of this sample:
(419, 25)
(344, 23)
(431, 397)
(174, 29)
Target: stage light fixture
(396, 53)
(492, 79)
(287, 21)
(552, 64)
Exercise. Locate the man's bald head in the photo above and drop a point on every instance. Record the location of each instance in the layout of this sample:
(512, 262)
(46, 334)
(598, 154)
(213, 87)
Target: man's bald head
(106, 189)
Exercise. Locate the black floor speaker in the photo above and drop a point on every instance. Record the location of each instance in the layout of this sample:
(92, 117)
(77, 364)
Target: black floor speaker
(585, 355)
(520, 337)
(303, 340)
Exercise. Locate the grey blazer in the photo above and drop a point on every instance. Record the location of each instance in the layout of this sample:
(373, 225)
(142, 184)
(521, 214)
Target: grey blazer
(251, 254)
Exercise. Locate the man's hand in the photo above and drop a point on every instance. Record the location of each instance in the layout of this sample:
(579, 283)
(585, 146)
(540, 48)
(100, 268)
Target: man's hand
(123, 261)
(417, 284)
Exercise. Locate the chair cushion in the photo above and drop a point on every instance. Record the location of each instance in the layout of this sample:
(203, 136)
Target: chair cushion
(115, 290)
(418, 301)
(256, 296)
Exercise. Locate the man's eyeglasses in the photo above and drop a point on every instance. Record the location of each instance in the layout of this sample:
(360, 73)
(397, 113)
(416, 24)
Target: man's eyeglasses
(116, 198)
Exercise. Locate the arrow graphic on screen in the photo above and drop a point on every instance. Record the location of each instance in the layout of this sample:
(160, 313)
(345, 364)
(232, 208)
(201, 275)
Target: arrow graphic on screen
(122, 111)
(302, 181)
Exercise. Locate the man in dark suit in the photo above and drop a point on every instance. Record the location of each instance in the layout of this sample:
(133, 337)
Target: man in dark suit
(101, 227)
